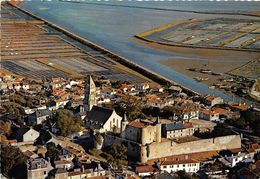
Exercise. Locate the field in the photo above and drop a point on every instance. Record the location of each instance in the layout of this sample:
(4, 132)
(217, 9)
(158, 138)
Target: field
(31, 48)
(250, 70)
(219, 33)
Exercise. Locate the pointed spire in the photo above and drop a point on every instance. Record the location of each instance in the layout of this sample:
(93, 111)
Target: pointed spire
(124, 117)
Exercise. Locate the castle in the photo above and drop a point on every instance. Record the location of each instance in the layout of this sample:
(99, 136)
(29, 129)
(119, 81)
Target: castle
(144, 142)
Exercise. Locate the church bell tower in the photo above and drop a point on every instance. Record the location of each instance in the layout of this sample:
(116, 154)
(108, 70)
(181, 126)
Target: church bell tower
(90, 95)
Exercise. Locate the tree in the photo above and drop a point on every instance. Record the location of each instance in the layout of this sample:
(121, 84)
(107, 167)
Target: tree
(66, 122)
(6, 127)
(12, 159)
(117, 154)
(53, 151)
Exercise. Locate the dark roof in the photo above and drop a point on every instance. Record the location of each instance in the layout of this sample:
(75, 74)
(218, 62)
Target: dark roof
(97, 117)
(42, 112)
(9, 117)
(22, 130)
(174, 126)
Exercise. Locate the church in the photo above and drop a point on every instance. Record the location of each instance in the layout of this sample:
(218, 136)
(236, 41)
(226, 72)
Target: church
(98, 118)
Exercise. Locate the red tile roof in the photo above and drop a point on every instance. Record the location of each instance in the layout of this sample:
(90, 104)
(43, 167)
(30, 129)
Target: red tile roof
(137, 124)
(240, 106)
(146, 168)
(188, 125)
(210, 98)
(220, 110)
(206, 111)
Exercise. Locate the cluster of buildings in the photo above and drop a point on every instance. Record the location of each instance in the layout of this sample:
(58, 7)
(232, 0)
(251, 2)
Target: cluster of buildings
(157, 145)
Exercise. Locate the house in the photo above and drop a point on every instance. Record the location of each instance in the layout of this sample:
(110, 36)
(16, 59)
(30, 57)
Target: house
(209, 115)
(103, 120)
(188, 165)
(30, 155)
(234, 159)
(190, 114)
(142, 86)
(146, 170)
(38, 168)
(253, 149)
(238, 106)
(212, 100)
(225, 114)
(26, 134)
(175, 130)
(39, 116)
(127, 88)
(65, 164)
(58, 173)
(28, 110)
(175, 89)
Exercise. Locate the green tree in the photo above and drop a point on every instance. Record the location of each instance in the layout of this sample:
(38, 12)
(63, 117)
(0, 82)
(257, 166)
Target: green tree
(66, 122)
(11, 160)
(117, 155)
(53, 151)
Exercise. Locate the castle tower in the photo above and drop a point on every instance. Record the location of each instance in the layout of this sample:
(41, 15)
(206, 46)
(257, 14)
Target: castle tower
(124, 123)
(158, 129)
(90, 95)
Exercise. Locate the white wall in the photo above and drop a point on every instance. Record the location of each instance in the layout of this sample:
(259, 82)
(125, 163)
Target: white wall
(30, 135)
(188, 167)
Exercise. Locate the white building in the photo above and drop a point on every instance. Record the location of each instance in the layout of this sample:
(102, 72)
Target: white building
(38, 169)
(187, 115)
(65, 164)
(209, 115)
(26, 134)
(239, 157)
(212, 100)
(189, 165)
(103, 120)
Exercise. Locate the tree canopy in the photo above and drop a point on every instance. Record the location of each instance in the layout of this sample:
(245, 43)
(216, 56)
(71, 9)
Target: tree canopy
(53, 151)
(12, 159)
(117, 155)
(66, 122)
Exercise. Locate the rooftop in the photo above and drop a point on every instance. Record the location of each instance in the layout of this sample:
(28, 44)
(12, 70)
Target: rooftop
(137, 124)
(172, 162)
(146, 168)
(98, 116)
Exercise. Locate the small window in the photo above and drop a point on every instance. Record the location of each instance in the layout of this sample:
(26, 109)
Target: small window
(183, 165)
(165, 166)
(44, 172)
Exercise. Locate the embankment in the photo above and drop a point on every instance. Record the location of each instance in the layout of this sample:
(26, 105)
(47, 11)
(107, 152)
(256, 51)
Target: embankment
(144, 71)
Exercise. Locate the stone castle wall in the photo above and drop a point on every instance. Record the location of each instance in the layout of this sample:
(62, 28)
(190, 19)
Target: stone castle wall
(169, 148)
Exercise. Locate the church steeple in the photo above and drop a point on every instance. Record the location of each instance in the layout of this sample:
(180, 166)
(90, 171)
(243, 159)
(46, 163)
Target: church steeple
(124, 117)
(124, 123)
(90, 94)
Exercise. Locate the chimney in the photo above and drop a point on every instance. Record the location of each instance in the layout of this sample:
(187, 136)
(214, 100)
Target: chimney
(186, 157)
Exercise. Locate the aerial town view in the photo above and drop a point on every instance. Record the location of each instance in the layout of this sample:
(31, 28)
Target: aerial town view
(130, 89)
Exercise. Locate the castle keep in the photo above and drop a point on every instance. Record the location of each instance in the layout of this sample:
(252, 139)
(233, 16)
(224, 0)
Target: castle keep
(144, 142)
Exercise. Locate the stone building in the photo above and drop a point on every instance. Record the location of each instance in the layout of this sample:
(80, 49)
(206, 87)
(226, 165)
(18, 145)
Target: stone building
(212, 100)
(38, 169)
(144, 142)
(90, 94)
(176, 130)
(102, 120)
(26, 134)
(188, 165)
(39, 116)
